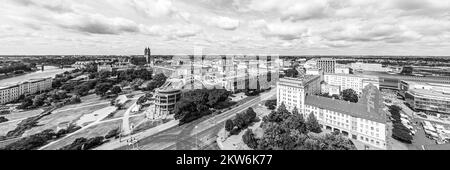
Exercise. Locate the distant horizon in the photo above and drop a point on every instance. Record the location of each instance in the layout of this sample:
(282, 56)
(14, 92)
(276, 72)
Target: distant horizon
(313, 55)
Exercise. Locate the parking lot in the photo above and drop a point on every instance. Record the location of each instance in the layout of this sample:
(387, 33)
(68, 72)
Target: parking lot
(420, 138)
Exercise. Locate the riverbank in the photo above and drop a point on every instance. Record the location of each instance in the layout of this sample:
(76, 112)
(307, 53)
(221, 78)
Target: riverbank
(11, 75)
(49, 71)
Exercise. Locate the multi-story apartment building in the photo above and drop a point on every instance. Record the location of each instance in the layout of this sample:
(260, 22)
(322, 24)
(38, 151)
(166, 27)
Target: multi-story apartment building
(363, 122)
(328, 65)
(422, 96)
(13, 92)
(351, 81)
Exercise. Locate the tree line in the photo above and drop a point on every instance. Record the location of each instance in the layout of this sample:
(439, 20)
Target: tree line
(284, 130)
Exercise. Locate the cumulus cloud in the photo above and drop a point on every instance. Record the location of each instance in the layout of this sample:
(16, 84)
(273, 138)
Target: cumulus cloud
(283, 31)
(96, 24)
(225, 23)
(60, 6)
(249, 24)
(153, 8)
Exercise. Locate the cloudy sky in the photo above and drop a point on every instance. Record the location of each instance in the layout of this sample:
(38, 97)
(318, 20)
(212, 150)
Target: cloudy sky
(285, 27)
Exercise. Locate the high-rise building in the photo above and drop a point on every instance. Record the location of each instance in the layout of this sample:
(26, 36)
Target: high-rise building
(327, 65)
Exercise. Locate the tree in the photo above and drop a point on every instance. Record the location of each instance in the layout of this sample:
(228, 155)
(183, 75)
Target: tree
(291, 73)
(335, 96)
(401, 133)
(282, 109)
(350, 95)
(119, 106)
(240, 121)
(296, 122)
(102, 88)
(124, 83)
(32, 142)
(312, 124)
(39, 100)
(325, 95)
(116, 90)
(295, 111)
(277, 116)
(158, 81)
(136, 83)
(68, 86)
(5, 112)
(3, 119)
(26, 103)
(75, 99)
(104, 74)
(271, 104)
(112, 133)
(249, 139)
(229, 125)
(250, 115)
(82, 89)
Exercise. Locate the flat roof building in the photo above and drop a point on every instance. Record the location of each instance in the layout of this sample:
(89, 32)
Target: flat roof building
(328, 65)
(422, 96)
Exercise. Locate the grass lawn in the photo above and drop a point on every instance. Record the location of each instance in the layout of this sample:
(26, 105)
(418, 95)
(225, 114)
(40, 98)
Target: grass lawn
(136, 119)
(25, 114)
(51, 121)
(94, 131)
(8, 126)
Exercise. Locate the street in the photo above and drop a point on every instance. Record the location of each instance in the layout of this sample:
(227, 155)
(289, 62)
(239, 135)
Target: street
(200, 134)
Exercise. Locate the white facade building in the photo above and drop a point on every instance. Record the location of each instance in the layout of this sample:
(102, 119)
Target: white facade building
(292, 91)
(363, 122)
(340, 69)
(13, 92)
(330, 89)
(351, 81)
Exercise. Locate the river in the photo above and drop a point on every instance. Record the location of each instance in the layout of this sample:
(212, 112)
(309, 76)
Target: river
(49, 71)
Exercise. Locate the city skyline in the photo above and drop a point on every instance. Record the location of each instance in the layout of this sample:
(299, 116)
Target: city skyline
(170, 27)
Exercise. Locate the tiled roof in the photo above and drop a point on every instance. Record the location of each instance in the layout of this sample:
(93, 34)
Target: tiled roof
(372, 110)
(358, 110)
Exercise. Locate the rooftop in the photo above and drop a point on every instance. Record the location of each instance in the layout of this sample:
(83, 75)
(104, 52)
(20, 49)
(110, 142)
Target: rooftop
(301, 81)
(425, 93)
(369, 107)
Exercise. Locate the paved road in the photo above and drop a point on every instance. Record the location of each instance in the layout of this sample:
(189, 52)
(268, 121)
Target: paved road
(200, 134)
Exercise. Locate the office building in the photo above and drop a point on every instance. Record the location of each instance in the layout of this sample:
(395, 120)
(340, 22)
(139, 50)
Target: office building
(432, 97)
(292, 91)
(362, 122)
(165, 98)
(328, 65)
